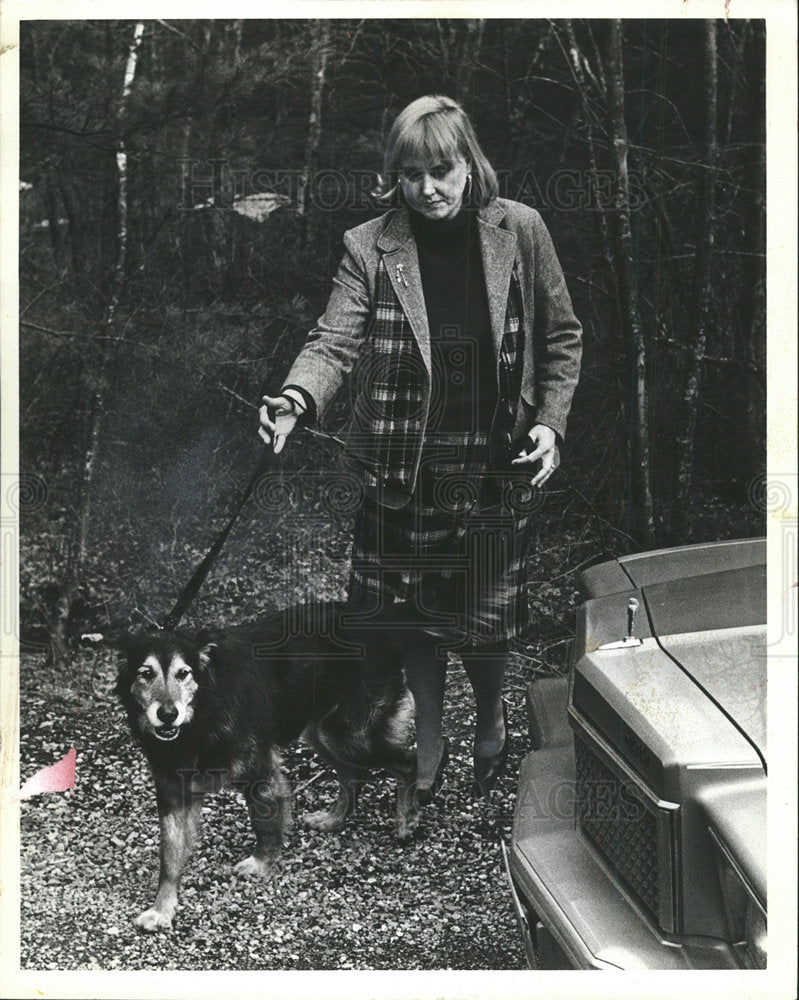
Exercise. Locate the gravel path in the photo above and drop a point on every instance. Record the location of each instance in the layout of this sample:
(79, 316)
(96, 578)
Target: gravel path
(357, 900)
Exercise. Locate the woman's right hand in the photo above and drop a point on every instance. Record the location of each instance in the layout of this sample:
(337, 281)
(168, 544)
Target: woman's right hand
(277, 430)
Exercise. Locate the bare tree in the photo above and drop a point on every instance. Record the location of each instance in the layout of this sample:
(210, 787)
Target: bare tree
(640, 512)
(683, 521)
(321, 52)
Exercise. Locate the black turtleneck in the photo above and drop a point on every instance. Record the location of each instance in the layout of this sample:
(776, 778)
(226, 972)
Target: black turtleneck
(464, 360)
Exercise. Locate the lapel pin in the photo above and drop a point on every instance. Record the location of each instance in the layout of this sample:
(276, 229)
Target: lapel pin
(401, 275)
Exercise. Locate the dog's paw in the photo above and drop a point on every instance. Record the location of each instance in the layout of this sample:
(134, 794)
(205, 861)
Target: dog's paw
(154, 920)
(252, 867)
(407, 826)
(324, 821)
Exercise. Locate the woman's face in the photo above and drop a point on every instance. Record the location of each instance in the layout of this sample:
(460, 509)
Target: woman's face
(435, 190)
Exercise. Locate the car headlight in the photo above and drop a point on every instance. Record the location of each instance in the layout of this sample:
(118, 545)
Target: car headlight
(746, 917)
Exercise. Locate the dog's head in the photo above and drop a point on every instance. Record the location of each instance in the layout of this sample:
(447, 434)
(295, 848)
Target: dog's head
(160, 679)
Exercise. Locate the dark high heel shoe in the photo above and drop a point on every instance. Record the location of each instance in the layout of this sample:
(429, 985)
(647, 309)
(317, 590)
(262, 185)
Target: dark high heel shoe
(426, 793)
(488, 769)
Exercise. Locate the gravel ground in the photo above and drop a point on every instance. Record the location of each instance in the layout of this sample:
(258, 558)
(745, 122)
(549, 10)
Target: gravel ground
(357, 900)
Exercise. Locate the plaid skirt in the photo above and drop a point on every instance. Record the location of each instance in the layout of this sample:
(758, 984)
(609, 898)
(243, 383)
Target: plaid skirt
(456, 554)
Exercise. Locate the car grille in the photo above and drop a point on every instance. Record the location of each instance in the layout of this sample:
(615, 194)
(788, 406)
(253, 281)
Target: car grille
(624, 827)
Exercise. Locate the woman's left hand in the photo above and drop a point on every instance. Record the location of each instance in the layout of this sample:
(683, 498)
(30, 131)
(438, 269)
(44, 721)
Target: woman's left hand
(544, 447)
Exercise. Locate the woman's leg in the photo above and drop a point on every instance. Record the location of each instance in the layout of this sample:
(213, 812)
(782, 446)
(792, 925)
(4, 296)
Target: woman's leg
(400, 626)
(485, 668)
(426, 675)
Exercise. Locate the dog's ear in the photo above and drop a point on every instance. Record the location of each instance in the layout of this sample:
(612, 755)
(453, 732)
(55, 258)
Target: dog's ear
(206, 659)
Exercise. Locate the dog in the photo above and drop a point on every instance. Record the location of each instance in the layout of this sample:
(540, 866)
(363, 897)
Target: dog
(215, 708)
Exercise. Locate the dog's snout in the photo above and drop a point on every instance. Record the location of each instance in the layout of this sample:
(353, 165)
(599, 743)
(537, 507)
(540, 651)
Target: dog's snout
(167, 715)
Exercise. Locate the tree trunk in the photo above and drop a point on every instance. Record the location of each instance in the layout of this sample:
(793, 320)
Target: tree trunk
(444, 46)
(321, 53)
(683, 523)
(467, 61)
(98, 388)
(640, 521)
(122, 173)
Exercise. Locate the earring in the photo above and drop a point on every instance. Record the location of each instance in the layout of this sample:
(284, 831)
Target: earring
(468, 188)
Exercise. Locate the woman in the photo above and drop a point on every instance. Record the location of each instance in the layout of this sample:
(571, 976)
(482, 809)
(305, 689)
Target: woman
(453, 311)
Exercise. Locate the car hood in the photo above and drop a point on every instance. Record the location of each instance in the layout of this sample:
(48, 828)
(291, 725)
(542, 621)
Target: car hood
(713, 627)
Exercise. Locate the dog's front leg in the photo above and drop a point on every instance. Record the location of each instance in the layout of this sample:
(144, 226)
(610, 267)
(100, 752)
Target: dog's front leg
(350, 780)
(407, 810)
(179, 811)
(269, 803)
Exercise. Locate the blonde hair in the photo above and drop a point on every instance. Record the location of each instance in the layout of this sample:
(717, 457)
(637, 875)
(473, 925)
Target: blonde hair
(431, 129)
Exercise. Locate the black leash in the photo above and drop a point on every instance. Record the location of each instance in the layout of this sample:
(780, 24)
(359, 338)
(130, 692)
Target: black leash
(268, 460)
(189, 592)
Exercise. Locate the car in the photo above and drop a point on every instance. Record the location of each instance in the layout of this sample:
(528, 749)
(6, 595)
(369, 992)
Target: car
(639, 832)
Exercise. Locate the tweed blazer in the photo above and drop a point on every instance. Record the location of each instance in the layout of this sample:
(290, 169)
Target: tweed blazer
(376, 322)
